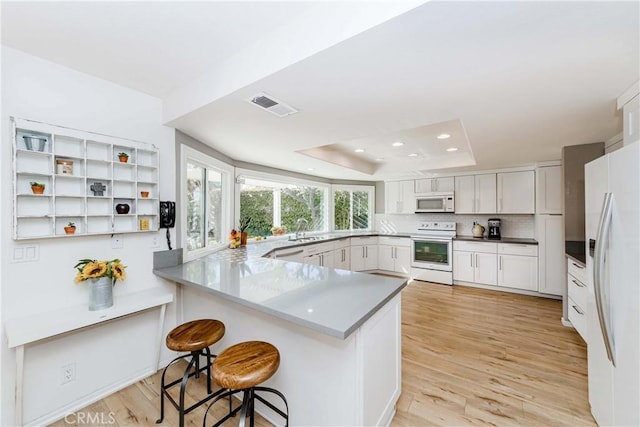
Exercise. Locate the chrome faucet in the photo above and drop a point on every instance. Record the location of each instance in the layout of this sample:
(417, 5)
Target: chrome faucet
(301, 226)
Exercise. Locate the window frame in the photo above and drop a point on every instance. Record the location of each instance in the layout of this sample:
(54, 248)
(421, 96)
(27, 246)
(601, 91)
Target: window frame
(371, 189)
(241, 174)
(191, 155)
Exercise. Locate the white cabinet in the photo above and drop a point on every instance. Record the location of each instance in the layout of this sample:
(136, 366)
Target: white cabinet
(518, 266)
(475, 194)
(435, 185)
(631, 121)
(475, 262)
(516, 192)
(84, 180)
(551, 257)
(394, 254)
(400, 197)
(549, 188)
(577, 293)
(319, 254)
(364, 253)
(342, 254)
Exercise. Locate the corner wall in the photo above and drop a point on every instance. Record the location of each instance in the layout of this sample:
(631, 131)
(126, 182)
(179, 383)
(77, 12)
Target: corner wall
(105, 356)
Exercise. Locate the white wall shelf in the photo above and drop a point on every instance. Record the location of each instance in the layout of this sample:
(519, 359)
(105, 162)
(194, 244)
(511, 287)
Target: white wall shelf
(70, 163)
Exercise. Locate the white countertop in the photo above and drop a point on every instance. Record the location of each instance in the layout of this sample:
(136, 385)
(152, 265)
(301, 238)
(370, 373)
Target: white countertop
(332, 301)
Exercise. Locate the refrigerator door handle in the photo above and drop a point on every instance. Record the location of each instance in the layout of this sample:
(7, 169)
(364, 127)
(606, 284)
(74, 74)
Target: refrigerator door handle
(602, 238)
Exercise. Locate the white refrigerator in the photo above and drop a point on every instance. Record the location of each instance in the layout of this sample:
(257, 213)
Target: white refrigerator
(612, 209)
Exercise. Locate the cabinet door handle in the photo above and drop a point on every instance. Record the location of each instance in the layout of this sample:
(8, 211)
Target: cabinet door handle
(577, 266)
(500, 263)
(471, 259)
(578, 284)
(366, 251)
(500, 204)
(577, 309)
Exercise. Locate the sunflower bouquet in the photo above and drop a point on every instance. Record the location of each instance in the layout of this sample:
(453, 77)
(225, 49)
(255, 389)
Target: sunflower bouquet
(234, 239)
(92, 269)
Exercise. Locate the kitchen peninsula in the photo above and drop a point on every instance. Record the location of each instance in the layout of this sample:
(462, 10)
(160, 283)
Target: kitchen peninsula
(338, 331)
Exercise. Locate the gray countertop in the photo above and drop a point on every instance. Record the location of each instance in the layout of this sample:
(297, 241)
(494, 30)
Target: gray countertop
(515, 240)
(332, 301)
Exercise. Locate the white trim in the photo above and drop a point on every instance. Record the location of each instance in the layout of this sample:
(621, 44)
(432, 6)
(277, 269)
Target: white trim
(228, 194)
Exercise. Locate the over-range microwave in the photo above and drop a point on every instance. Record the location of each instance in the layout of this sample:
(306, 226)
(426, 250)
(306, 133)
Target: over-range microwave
(442, 202)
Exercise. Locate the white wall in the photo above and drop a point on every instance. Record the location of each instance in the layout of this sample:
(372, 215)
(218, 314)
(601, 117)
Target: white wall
(107, 355)
(521, 226)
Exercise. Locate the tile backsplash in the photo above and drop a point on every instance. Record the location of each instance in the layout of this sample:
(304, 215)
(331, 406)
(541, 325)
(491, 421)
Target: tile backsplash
(522, 226)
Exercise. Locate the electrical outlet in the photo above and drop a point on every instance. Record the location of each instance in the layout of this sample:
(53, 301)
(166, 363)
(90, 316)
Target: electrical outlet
(67, 373)
(155, 241)
(117, 241)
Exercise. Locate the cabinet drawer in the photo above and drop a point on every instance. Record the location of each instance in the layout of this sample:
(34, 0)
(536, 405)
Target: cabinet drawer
(317, 248)
(577, 291)
(342, 243)
(517, 249)
(486, 247)
(577, 270)
(394, 241)
(578, 318)
(364, 240)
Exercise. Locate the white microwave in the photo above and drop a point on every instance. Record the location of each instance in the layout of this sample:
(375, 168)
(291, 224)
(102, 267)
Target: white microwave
(435, 203)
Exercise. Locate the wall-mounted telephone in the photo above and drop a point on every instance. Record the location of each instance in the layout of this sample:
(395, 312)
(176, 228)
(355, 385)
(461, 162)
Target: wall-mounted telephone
(168, 218)
(167, 214)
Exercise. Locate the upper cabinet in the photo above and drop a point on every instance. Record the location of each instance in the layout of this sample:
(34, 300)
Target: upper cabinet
(399, 196)
(101, 184)
(435, 185)
(629, 103)
(475, 194)
(516, 192)
(549, 190)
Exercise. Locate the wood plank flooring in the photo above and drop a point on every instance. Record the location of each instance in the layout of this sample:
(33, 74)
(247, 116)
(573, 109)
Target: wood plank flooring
(470, 357)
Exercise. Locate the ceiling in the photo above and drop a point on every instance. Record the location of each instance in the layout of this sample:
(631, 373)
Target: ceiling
(512, 82)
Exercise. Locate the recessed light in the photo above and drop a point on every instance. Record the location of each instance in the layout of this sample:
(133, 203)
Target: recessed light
(359, 150)
(379, 159)
(310, 169)
(397, 144)
(413, 155)
(452, 149)
(443, 136)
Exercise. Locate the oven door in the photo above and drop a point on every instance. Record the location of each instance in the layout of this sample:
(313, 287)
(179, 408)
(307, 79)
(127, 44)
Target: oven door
(431, 253)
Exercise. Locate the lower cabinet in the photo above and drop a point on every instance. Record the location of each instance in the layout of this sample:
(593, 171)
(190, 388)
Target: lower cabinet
(577, 293)
(324, 259)
(497, 264)
(364, 253)
(475, 262)
(394, 254)
(342, 255)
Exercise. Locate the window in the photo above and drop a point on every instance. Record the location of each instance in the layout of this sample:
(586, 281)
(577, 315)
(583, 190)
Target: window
(272, 202)
(353, 208)
(206, 202)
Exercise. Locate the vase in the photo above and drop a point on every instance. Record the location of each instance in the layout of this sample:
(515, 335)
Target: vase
(243, 238)
(100, 293)
(122, 208)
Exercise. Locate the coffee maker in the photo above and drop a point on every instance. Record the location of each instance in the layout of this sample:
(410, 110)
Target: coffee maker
(494, 229)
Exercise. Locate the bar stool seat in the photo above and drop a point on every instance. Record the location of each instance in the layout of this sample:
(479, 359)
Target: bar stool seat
(193, 337)
(241, 368)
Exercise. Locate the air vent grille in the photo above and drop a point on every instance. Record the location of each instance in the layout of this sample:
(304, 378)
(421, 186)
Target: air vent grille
(272, 105)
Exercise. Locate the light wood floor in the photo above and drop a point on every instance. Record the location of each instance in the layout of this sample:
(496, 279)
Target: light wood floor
(470, 357)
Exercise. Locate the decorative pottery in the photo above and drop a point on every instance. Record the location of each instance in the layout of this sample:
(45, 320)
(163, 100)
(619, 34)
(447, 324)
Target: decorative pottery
(144, 194)
(37, 189)
(70, 230)
(123, 159)
(122, 208)
(243, 238)
(100, 293)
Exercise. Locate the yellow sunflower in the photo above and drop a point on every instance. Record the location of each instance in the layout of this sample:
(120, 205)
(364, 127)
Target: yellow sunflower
(79, 278)
(94, 270)
(117, 270)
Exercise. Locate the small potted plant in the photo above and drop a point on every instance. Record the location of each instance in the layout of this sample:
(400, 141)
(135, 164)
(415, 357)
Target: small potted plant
(37, 187)
(70, 228)
(124, 157)
(244, 224)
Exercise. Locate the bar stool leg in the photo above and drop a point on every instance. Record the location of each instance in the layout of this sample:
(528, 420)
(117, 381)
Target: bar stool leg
(183, 387)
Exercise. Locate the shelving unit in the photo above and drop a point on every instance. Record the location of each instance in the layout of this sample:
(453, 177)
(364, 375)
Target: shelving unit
(75, 166)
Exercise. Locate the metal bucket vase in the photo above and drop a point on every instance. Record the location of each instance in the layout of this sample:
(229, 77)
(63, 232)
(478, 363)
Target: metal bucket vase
(100, 293)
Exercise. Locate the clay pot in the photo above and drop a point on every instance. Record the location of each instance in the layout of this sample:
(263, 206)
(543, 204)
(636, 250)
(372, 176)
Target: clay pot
(123, 159)
(37, 189)
(70, 230)
(144, 194)
(122, 208)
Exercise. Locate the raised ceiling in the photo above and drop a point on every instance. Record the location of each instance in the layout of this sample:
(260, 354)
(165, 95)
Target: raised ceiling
(518, 79)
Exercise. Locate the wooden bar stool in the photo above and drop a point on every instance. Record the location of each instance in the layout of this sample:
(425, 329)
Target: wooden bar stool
(193, 337)
(240, 368)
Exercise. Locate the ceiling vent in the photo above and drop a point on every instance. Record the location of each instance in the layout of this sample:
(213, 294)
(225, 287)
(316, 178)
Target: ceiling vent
(272, 105)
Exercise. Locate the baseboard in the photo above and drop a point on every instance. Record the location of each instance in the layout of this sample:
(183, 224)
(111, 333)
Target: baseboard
(566, 322)
(505, 289)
